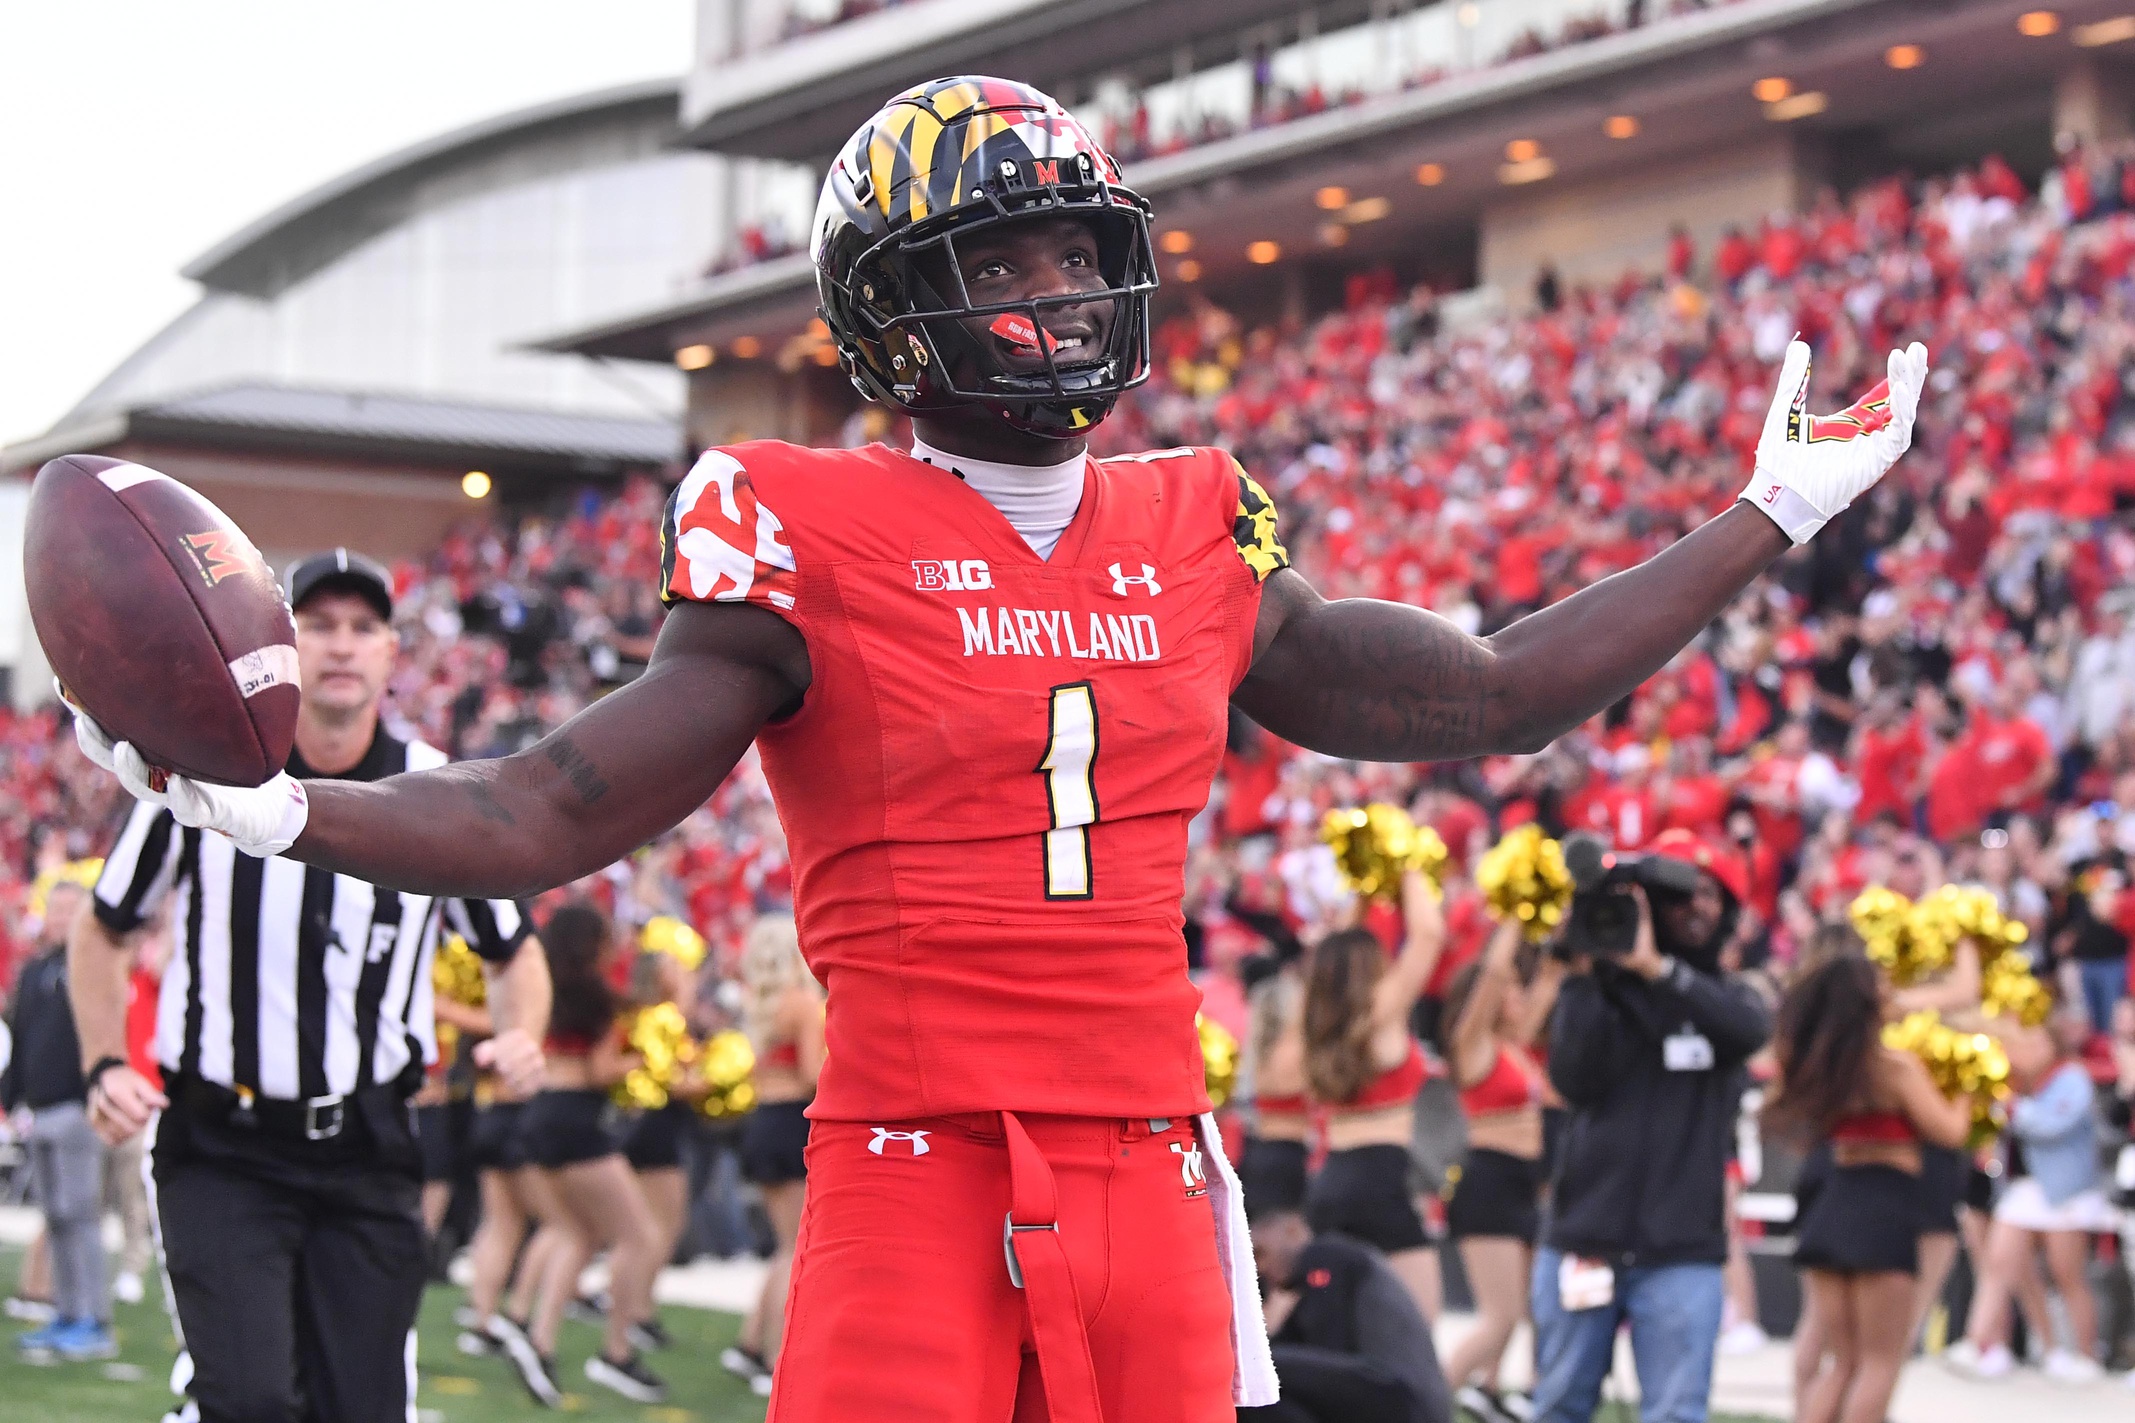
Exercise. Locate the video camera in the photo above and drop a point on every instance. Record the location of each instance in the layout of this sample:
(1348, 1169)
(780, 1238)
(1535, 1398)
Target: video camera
(1603, 920)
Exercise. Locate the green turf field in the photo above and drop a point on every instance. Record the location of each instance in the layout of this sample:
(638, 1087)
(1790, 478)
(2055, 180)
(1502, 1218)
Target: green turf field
(454, 1389)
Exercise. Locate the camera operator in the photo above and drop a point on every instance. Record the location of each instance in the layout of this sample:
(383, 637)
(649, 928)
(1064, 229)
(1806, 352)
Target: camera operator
(1647, 1046)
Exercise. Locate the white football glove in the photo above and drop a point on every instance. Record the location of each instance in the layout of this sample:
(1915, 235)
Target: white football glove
(1809, 467)
(259, 820)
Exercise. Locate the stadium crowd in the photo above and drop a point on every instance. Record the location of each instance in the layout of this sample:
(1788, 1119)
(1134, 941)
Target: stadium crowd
(1939, 689)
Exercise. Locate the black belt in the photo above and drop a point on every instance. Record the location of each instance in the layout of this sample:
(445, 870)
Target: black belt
(299, 1119)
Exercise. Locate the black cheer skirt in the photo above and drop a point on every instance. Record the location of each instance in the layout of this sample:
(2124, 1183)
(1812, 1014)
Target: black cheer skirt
(1364, 1193)
(1862, 1220)
(1499, 1195)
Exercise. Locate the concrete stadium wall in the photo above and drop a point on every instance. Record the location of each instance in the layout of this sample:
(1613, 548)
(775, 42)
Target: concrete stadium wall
(293, 506)
(1594, 231)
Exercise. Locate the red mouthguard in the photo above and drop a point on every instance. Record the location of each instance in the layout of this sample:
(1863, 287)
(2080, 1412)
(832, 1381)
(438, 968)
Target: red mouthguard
(1017, 330)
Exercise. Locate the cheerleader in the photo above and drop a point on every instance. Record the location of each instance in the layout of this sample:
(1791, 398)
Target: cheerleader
(569, 1133)
(655, 1142)
(1494, 1215)
(1857, 1240)
(1365, 1069)
(782, 1012)
(1272, 1171)
(1949, 1181)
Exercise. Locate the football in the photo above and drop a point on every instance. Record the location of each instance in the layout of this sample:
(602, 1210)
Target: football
(161, 619)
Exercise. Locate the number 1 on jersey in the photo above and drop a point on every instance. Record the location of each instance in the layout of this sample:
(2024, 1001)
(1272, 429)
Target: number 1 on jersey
(1069, 769)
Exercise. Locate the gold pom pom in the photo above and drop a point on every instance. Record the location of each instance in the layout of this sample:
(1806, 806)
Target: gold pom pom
(1376, 844)
(1971, 1066)
(1954, 912)
(725, 1067)
(1219, 1058)
(2009, 989)
(659, 1035)
(456, 973)
(665, 934)
(1908, 941)
(1523, 878)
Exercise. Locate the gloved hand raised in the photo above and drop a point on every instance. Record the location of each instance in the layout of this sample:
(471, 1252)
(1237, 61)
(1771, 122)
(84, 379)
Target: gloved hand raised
(260, 820)
(1809, 467)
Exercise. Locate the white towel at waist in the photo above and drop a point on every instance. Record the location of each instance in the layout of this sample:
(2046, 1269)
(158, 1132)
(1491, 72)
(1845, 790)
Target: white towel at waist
(1253, 1382)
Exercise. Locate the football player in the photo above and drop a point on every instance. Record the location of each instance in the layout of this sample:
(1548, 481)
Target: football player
(989, 678)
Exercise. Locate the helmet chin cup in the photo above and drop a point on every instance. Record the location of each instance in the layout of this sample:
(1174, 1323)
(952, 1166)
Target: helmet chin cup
(890, 214)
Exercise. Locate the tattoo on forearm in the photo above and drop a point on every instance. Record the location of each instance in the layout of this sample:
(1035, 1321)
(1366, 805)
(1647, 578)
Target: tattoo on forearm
(1375, 681)
(486, 804)
(584, 777)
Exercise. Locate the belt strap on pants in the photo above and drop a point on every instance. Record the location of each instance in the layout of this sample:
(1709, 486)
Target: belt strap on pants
(1038, 1264)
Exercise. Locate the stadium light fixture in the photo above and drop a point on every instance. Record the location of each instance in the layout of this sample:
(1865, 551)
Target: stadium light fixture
(1330, 198)
(1333, 234)
(1177, 242)
(1188, 270)
(475, 484)
(1621, 126)
(1430, 175)
(1366, 210)
(1534, 170)
(1798, 106)
(2038, 24)
(695, 358)
(2105, 32)
(1522, 150)
(1469, 15)
(748, 348)
(1771, 89)
(1263, 252)
(826, 355)
(1904, 56)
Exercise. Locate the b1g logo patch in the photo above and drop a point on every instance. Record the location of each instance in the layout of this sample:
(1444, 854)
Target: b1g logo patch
(218, 553)
(949, 575)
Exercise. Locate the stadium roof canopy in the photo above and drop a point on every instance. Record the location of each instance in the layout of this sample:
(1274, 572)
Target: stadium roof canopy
(391, 427)
(803, 98)
(1687, 80)
(418, 276)
(304, 234)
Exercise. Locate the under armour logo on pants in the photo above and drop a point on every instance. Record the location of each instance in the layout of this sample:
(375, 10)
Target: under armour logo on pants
(918, 1140)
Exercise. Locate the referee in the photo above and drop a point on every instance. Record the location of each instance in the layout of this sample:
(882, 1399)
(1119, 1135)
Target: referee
(294, 1023)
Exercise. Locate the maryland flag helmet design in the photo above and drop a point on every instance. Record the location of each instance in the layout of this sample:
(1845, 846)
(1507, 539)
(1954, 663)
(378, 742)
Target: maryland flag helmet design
(937, 165)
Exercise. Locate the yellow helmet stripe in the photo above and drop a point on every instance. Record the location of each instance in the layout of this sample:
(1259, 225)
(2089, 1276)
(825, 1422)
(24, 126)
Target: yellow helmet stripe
(926, 133)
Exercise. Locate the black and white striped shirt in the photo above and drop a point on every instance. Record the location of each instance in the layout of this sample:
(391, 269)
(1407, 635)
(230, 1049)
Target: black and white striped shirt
(290, 981)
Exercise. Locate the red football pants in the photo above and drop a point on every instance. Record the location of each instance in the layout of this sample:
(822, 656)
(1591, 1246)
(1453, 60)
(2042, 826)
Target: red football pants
(903, 1306)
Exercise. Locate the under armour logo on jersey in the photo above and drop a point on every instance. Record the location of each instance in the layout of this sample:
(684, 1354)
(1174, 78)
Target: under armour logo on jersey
(1190, 1174)
(918, 1140)
(1122, 581)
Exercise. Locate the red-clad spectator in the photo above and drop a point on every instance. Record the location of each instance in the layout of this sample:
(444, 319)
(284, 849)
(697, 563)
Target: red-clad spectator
(1681, 252)
(2003, 762)
(1735, 256)
(1690, 796)
(1772, 786)
(1889, 753)
(1250, 775)
(1784, 247)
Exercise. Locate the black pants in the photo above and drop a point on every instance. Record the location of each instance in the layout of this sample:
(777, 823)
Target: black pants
(297, 1267)
(1322, 1386)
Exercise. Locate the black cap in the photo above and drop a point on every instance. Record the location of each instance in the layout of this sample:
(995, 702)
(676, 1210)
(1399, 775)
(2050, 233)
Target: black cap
(341, 571)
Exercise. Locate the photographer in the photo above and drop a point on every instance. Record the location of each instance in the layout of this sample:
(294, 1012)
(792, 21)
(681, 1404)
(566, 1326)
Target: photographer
(1647, 1047)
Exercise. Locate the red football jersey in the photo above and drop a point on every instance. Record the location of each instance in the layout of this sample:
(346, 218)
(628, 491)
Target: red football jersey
(987, 786)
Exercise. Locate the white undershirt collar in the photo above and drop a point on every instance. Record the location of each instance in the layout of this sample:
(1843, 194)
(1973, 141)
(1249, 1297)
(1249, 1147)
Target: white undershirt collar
(1039, 501)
